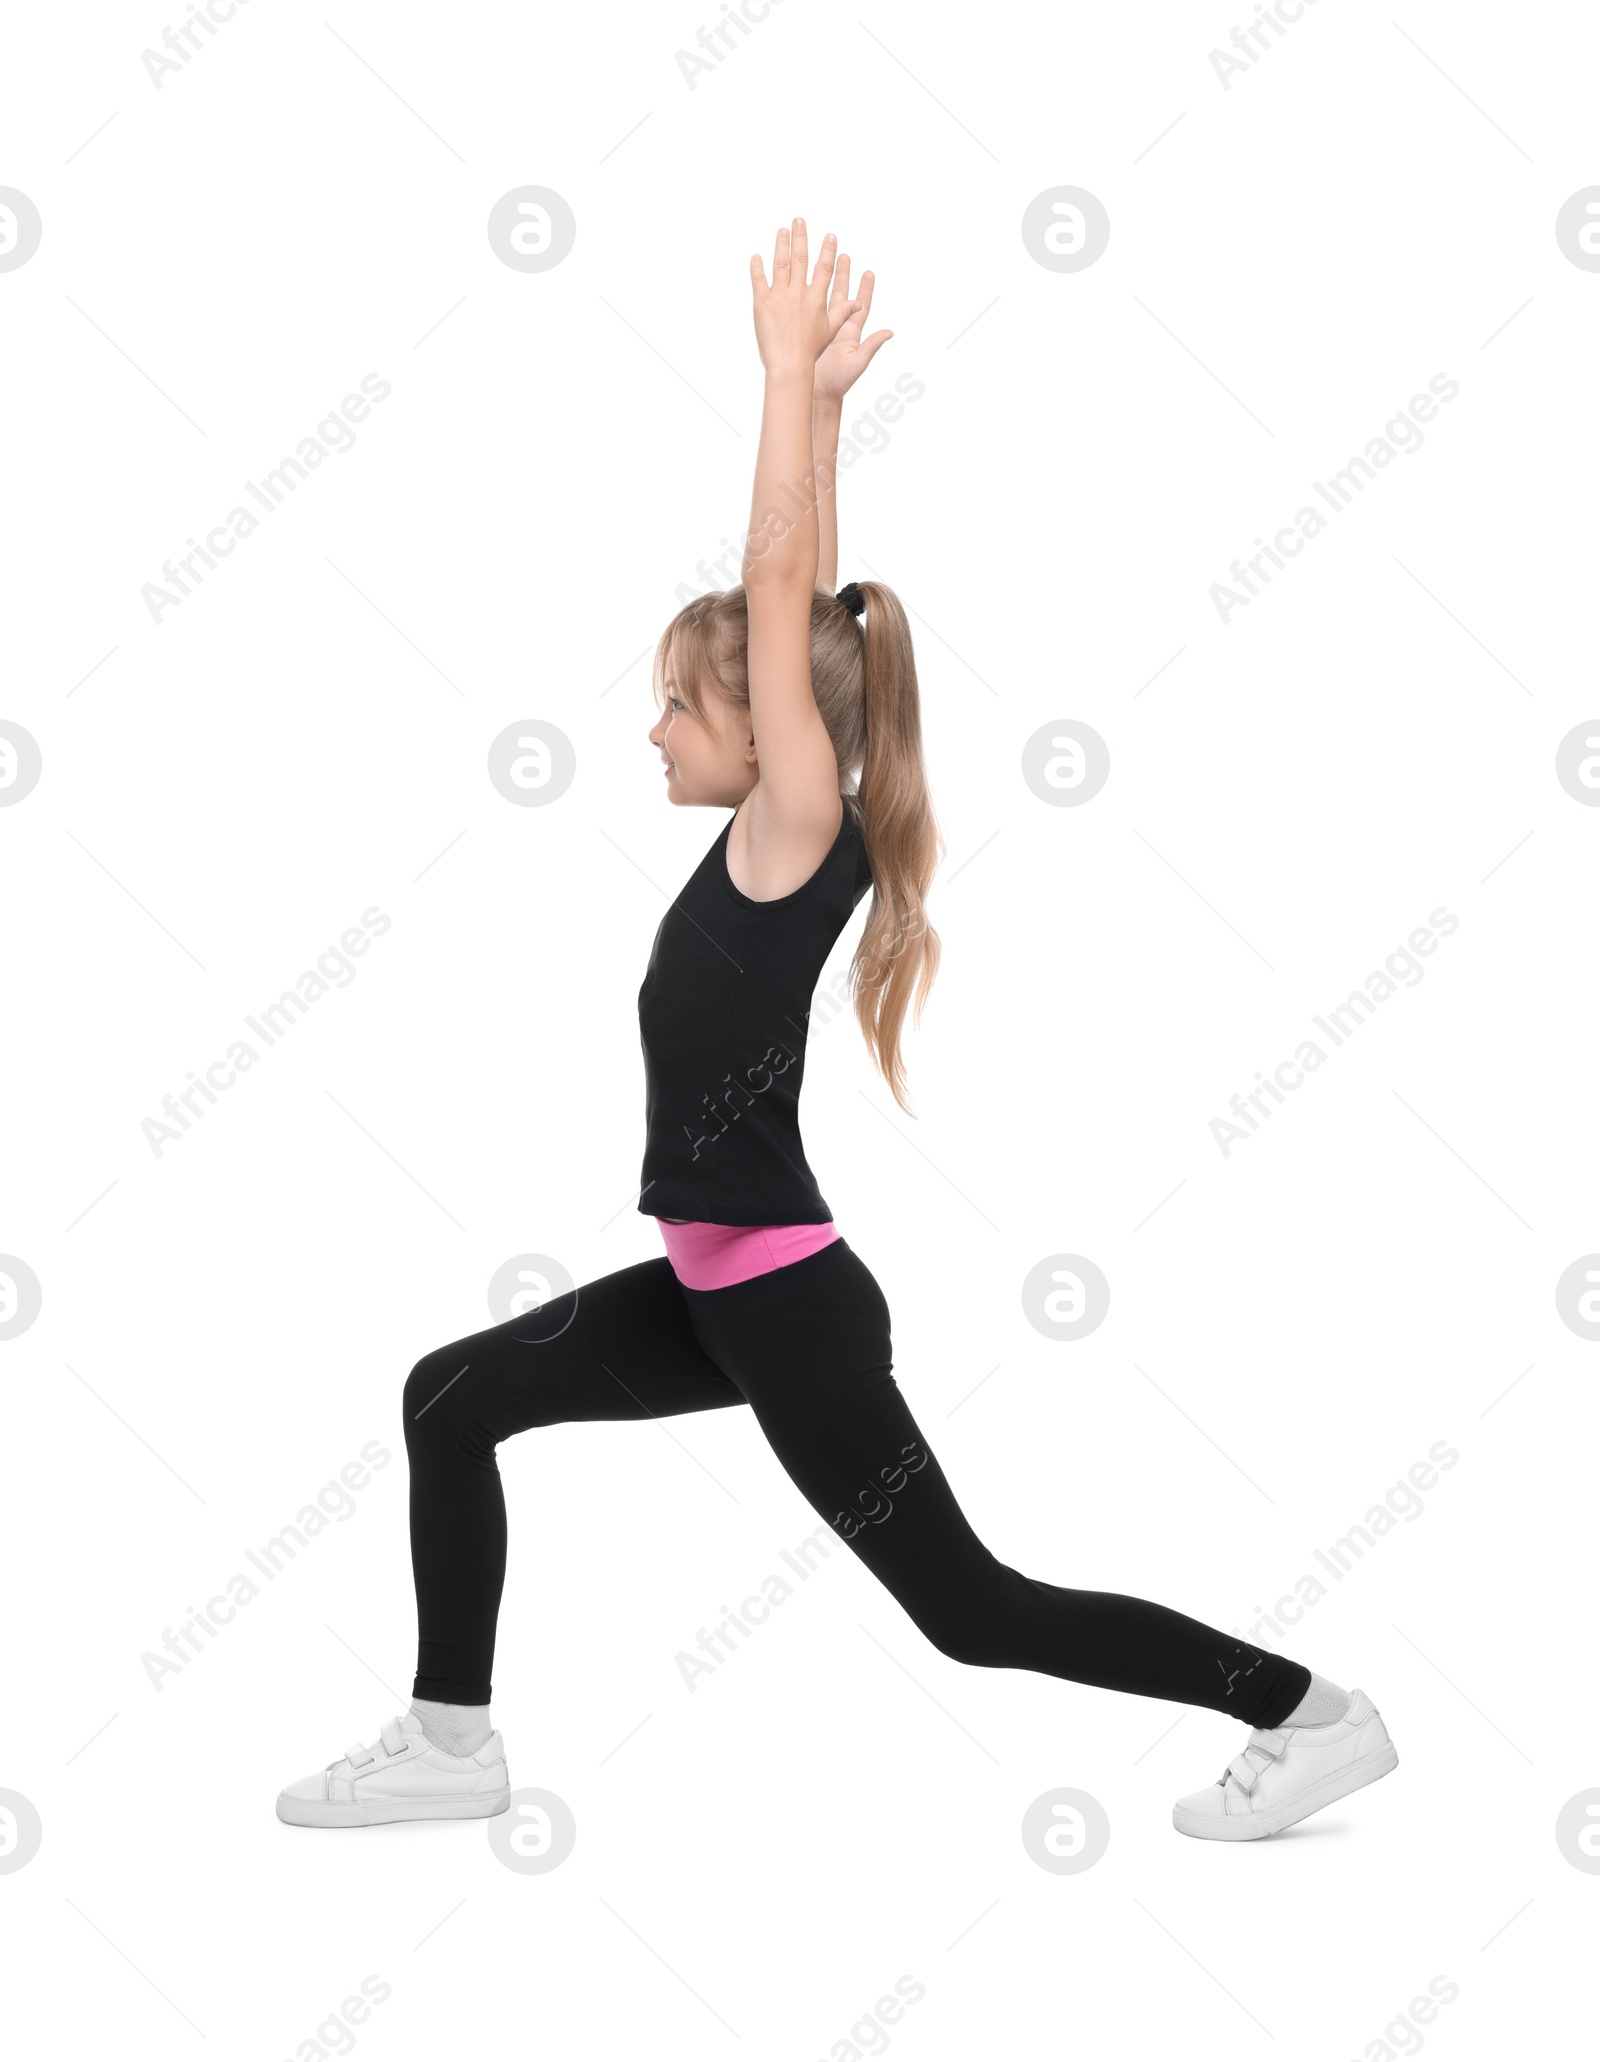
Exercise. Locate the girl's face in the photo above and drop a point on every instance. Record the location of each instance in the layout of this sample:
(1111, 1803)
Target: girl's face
(710, 762)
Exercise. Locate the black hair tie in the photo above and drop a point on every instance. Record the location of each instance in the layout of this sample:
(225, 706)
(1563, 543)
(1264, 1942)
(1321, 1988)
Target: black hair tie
(852, 597)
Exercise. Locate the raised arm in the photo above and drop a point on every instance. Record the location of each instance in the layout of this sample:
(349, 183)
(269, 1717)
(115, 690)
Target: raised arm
(792, 814)
(838, 369)
(794, 326)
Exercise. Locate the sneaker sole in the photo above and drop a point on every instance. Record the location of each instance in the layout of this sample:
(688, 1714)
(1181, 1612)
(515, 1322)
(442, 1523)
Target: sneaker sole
(386, 1811)
(1260, 1826)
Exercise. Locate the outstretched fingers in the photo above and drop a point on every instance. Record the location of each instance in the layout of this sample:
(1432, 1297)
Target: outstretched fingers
(827, 265)
(790, 256)
(855, 311)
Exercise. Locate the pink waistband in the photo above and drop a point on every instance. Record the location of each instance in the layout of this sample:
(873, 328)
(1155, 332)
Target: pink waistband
(713, 1256)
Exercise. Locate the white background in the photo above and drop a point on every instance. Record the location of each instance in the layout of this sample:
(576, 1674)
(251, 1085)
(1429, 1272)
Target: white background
(225, 1324)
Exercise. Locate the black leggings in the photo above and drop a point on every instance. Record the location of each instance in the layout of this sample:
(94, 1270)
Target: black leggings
(807, 1347)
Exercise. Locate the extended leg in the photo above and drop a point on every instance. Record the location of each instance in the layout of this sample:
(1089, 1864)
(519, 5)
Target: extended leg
(809, 1345)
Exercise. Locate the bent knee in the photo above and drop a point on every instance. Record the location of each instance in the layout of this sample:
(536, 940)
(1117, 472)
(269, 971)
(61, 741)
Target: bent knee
(970, 1642)
(966, 1623)
(434, 1400)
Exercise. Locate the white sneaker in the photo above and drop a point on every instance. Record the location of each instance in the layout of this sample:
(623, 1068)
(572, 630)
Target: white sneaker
(400, 1777)
(1286, 1773)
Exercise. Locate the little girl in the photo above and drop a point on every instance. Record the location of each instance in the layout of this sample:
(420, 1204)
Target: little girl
(797, 709)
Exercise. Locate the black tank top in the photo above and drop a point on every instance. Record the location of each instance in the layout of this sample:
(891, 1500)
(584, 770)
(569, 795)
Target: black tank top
(722, 1020)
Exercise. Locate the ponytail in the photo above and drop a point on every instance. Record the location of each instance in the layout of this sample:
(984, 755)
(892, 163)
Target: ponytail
(898, 956)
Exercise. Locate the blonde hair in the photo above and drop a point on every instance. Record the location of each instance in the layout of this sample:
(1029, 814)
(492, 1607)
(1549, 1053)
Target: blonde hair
(864, 680)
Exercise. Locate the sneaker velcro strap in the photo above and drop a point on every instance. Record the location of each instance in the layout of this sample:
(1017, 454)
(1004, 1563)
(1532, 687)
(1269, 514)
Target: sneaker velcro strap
(1272, 1742)
(1243, 1771)
(358, 1756)
(392, 1737)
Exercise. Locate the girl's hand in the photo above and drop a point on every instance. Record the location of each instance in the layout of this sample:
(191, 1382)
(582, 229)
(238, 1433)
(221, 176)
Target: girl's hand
(847, 357)
(794, 322)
